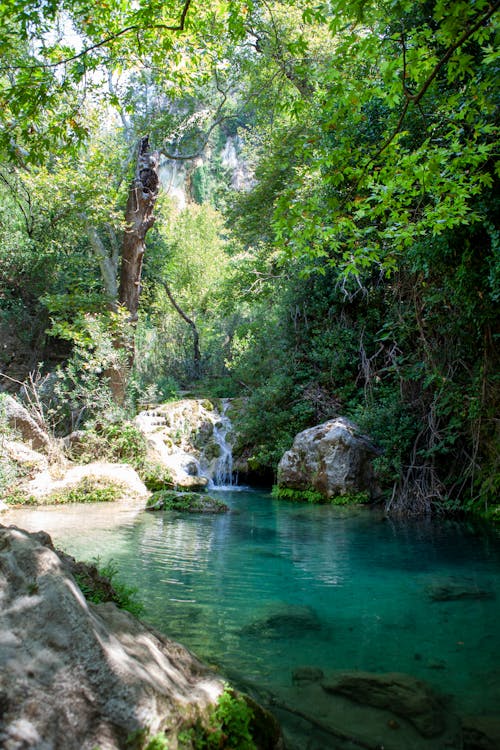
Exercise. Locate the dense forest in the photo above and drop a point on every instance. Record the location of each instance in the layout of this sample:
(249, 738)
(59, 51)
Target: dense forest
(295, 203)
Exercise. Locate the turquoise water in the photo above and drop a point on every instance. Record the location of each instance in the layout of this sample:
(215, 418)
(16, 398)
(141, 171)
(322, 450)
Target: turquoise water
(272, 586)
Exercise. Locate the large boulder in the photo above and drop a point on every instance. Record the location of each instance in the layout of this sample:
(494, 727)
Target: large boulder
(78, 676)
(333, 458)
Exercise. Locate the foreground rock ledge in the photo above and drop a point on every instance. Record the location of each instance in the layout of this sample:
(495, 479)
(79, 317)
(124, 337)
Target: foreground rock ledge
(76, 676)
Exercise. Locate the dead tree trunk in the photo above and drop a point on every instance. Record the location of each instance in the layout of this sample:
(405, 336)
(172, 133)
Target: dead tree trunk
(139, 218)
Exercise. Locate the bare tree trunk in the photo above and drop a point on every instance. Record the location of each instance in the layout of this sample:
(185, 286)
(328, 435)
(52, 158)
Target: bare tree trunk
(139, 219)
(194, 330)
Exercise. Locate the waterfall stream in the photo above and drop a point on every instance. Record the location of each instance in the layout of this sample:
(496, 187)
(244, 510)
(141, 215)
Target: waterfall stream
(223, 475)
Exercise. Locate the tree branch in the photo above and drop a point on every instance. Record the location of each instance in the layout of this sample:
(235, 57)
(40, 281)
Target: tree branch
(192, 325)
(416, 98)
(133, 28)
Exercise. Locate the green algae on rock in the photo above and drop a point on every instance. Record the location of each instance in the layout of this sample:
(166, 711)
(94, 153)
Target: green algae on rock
(186, 502)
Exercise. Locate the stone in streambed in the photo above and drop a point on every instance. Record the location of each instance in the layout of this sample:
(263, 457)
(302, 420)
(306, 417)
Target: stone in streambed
(303, 675)
(457, 590)
(284, 621)
(185, 502)
(400, 693)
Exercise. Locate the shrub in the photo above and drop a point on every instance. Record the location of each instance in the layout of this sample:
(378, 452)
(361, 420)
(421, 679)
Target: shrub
(119, 442)
(286, 493)
(98, 583)
(228, 726)
(156, 477)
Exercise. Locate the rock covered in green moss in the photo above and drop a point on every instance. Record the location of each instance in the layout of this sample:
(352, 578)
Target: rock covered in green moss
(185, 502)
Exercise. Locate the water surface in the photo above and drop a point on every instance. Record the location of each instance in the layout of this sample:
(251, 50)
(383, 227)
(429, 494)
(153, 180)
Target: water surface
(272, 586)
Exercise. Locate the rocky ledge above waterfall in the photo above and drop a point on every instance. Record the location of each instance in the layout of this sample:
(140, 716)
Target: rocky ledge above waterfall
(193, 439)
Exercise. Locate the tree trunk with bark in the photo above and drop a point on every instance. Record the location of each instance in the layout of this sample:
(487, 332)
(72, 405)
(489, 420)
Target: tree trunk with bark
(139, 218)
(194, 331)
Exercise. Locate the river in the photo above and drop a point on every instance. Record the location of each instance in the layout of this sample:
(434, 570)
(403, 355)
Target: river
(272, 586)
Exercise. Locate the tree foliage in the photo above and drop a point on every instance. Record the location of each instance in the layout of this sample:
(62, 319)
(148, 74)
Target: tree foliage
(357, 273)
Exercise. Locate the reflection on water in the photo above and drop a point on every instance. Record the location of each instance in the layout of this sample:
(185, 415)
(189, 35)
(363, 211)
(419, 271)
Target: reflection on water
(273, 586)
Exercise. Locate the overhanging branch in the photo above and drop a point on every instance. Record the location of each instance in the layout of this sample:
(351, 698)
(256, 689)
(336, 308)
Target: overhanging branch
(112, 37)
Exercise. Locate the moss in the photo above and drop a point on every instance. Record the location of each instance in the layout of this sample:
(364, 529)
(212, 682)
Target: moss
(186, 502)
(88, 490)
(313, 496)
(350, 498)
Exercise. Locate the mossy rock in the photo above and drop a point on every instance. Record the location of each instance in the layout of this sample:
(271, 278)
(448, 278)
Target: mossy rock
(212, 450)
(185, 502)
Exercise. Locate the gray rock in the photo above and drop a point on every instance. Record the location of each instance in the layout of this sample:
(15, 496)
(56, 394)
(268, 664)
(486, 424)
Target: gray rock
(284, 621)
(19, 418)
(400, 693)
(79, 676)
(457, 590)
(302, 675)
(332, 458)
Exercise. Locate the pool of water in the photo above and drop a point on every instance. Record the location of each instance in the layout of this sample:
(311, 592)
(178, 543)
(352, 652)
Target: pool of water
(272, 586)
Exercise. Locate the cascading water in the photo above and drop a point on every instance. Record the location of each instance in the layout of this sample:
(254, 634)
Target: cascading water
(223, 475)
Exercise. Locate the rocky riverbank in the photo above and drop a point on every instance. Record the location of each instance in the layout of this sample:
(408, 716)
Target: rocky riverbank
(77, 676)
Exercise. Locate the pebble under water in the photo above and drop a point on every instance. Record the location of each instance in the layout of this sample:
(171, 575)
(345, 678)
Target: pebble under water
(272, 586)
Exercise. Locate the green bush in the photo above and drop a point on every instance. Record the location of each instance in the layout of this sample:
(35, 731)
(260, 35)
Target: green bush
(120, 442)
(99, 583)
(228, 726)
(286, 493)
(156, 477)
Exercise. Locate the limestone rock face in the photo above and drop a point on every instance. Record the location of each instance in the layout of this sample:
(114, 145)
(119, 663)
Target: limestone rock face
(333, 458)
(48, 481)
(182, 435)
(78, 676)
(19, 418)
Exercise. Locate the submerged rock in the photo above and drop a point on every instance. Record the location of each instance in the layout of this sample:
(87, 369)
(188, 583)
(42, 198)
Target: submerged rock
(481, 732)
(303, 675)
(284, 621)
(333, 458)
(78, 676)
(349, 710)
(400, 693)
(457, 590)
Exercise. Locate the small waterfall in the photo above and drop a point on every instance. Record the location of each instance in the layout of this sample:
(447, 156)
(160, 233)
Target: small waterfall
(223, 471)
